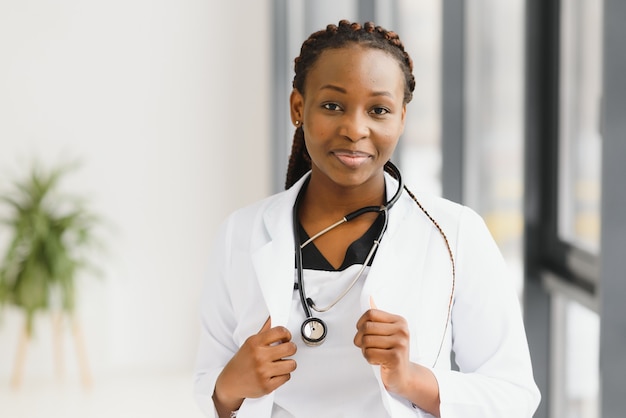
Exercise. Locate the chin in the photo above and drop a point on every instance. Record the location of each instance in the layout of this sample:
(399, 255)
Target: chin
(351, 180)
(348, 178)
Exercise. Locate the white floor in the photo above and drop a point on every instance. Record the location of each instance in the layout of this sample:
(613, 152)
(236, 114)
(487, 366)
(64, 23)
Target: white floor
(111, 397)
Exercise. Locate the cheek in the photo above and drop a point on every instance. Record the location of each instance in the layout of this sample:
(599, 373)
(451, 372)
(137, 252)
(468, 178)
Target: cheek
(387, 144)
(396, 131)
(390, 136)
(311, 142)
(315, 133)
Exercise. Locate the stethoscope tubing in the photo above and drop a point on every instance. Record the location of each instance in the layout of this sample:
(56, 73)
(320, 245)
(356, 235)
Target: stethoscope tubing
(307, 303)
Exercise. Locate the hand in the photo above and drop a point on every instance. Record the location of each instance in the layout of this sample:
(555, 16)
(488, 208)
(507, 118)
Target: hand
(258, 368)
(384, 340)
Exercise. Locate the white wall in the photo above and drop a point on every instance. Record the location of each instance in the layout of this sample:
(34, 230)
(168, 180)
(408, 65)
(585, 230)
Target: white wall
(167, 105)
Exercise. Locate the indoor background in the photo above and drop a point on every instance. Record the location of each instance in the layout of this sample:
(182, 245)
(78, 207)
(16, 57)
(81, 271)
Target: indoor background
(177, 113)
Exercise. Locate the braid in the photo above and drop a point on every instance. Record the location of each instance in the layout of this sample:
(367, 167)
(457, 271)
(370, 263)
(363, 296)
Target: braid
(299, 160)
(334, 37)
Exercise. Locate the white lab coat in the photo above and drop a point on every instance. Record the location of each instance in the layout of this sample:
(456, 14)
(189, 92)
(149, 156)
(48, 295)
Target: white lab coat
(252, 274)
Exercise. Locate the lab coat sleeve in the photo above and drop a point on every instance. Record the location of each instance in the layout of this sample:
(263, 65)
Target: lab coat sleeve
(488, 338)
(216, 346)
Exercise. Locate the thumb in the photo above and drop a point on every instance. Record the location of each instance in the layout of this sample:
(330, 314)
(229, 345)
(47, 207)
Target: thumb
(372, 303)
(267, 325)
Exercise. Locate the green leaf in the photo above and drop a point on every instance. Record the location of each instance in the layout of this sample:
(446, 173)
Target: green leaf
(50, 233)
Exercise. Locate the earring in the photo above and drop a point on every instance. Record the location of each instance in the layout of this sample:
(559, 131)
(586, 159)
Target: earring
(297, 123)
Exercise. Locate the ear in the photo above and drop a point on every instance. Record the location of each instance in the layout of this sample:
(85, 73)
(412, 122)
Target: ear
(296, 106)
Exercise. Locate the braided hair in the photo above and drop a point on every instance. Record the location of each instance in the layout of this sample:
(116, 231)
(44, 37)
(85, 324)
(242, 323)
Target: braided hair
(335, 37)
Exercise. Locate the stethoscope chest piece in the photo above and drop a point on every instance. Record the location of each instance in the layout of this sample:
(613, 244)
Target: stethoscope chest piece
(313, 331)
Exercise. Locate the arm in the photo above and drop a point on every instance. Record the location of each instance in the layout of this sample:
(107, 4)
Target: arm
(225, 373)
(258, 368)
(487, 334)
(488, 338)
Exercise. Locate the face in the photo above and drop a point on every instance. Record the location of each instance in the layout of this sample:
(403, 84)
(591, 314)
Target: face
(352, 112)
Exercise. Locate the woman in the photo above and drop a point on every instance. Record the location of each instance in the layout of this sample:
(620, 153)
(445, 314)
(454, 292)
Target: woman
(345, 295)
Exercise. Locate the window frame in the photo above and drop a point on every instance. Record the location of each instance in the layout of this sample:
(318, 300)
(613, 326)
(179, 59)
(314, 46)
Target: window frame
(554, 266)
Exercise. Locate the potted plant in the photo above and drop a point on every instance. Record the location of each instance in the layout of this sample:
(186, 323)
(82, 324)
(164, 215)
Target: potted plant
(50, 233)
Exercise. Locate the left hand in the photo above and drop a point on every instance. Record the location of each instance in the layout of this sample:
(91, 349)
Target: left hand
(384, 340)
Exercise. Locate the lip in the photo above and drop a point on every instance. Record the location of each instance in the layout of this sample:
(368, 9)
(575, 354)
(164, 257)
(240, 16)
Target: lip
(352, 159)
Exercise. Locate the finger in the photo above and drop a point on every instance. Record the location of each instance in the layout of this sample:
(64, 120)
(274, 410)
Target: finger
(283, 350)
(282, 367)
(366, 317)
(359, 340)
(366, 328)
(379, 328)
(376, 315)
(276, 335)
(267, 325)
(382, 342)
(372, 316)
(278, 381)
(376, 356)
(280, 373)
(272, 337)
(380, 335)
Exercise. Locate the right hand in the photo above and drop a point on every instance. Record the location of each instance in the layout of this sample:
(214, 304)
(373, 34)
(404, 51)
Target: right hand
(258, 368)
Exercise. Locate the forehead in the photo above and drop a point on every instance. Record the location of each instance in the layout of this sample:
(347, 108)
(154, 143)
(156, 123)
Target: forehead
(358, 64)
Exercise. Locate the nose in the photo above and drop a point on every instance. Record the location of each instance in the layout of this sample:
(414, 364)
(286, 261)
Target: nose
(354, 126)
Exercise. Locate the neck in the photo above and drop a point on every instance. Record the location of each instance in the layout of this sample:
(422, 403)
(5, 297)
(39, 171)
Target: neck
(326, 198)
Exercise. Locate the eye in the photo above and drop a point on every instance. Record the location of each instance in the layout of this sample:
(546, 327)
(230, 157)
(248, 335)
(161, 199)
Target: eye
(379, 111)
(334, 107)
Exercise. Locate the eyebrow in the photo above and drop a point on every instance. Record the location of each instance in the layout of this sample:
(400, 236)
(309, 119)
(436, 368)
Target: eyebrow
(344, 91)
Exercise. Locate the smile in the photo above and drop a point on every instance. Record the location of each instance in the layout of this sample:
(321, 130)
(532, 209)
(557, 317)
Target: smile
(352, 159)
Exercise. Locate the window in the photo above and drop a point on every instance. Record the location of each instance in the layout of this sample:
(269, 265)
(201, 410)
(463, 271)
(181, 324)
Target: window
(576, 337)
(494, 116)
(575, 359)
(419, 27)
(579, 124)
(563, 190)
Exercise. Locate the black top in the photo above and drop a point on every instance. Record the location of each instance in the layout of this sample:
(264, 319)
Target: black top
(312, 258)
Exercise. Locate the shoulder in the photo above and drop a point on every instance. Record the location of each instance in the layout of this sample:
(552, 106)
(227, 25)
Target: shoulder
(440, 210)
(247, 216)
(250, 210)
(455, 220)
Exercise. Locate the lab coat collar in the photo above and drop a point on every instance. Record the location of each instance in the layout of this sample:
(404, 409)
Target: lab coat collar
(273, 259)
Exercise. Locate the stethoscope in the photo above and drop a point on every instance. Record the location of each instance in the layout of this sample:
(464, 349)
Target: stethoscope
(314, 330)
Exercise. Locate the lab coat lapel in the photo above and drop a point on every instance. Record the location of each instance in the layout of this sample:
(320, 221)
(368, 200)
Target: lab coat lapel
(274, 260)
(404, 243)
(273, 264)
